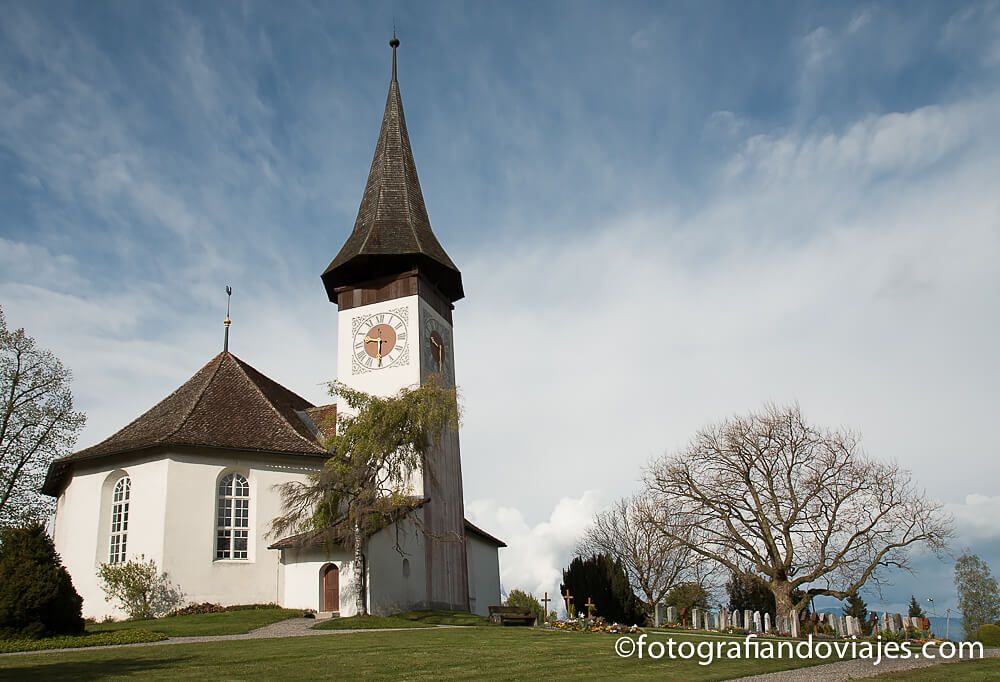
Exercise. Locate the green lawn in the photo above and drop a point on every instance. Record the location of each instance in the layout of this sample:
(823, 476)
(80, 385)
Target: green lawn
(419, 654)
(368, 623)
(225, 623)
(966, 671)
(81, 641)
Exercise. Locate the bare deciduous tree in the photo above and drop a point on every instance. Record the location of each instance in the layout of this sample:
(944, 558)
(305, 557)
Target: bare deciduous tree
(37, 424)
(633, 530)
(800, 505)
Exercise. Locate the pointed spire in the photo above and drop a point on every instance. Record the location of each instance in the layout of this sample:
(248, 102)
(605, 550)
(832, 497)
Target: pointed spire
(226, 322)
(394, 43)
(392, 233)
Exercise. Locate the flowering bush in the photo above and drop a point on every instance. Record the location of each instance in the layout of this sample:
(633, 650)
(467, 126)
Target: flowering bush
(593, 625)
(207, 607)
(142, 589)
(204, 607)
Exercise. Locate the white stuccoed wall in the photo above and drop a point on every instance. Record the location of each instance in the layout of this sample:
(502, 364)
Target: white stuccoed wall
(484, 574)
(82, 523)
(390, 590)
(182, 542)
(190, 528)
(302, 582)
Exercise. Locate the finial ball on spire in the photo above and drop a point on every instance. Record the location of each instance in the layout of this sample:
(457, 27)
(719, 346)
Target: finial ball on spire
(394, 43)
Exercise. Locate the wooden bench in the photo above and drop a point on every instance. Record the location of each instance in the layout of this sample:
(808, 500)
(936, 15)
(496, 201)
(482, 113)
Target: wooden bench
(512, 615)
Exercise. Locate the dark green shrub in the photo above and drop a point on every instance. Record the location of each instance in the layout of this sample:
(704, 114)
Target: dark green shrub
(526, 600)
(37, 597)
(602, 579)
(989, 635)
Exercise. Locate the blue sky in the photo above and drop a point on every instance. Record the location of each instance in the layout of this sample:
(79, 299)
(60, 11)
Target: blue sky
(799, 198)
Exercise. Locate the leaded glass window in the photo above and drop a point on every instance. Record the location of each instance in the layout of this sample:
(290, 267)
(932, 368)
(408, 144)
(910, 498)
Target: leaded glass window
(119, 520)
(232, 518)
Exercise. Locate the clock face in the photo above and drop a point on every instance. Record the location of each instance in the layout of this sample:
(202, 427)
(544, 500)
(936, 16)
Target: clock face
(380, 341)
(437, 350)
(435, 343)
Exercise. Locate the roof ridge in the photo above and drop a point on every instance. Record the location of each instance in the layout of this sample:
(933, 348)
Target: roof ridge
(380, 158)
(243, 370)
(404, 135)
(201, 394)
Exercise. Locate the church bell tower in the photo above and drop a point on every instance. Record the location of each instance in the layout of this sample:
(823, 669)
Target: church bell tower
(395, 287)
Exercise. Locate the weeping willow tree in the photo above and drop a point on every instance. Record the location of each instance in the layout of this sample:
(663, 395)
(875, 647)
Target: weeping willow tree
(365, 484)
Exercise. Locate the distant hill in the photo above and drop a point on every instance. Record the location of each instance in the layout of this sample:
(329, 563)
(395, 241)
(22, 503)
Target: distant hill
(941, 627)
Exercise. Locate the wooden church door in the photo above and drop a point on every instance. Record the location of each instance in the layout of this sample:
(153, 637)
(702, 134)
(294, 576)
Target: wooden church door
(331, 588)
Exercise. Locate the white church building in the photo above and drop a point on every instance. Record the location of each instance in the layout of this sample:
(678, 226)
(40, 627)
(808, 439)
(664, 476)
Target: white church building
(193, 482)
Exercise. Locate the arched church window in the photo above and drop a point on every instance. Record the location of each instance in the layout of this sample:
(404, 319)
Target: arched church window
(119, 520)
(233, 518)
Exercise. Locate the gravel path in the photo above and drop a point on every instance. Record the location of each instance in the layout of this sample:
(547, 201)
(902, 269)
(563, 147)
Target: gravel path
(855, 669)
(294, 627)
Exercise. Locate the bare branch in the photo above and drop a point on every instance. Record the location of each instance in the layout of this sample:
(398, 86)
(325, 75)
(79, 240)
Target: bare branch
(800, 505)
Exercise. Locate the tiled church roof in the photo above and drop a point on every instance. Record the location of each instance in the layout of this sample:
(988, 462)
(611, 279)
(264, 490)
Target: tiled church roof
(227, 404)
(392, 232)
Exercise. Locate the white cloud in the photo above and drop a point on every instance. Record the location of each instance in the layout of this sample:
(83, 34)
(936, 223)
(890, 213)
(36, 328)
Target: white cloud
(581, 358)
(976, 518)
(25, 262)
(536, 554)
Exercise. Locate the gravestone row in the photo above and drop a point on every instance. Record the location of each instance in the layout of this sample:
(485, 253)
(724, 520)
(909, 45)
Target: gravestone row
(841, 625)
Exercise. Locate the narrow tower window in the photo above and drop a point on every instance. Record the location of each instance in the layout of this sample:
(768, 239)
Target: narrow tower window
(233, 518)
(119, 520)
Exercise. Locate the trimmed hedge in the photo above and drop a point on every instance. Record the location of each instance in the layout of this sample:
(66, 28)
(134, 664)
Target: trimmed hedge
(81, 641)
(989, 635)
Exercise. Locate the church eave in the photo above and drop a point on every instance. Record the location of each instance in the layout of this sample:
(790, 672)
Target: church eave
(60, 470)
(362, 268)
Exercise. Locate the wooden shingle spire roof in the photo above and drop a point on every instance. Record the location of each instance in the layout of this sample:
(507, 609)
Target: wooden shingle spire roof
(228, 405)
(392, 233)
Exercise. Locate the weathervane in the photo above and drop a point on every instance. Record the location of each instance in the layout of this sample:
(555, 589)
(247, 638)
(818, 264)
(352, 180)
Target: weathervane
(227, 321)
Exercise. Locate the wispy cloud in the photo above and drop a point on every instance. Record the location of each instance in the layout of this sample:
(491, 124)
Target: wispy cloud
(662, 218)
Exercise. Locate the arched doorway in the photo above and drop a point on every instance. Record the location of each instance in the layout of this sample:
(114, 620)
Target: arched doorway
(331, 588)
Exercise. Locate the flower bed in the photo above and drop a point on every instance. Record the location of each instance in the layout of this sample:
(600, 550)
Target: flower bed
(593, 625)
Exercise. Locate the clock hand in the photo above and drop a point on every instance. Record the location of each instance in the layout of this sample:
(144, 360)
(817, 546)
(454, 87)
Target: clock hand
(378, 351)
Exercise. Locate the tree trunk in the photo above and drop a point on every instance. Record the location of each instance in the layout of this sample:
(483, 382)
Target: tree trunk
(782, 590)
(359, 573)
